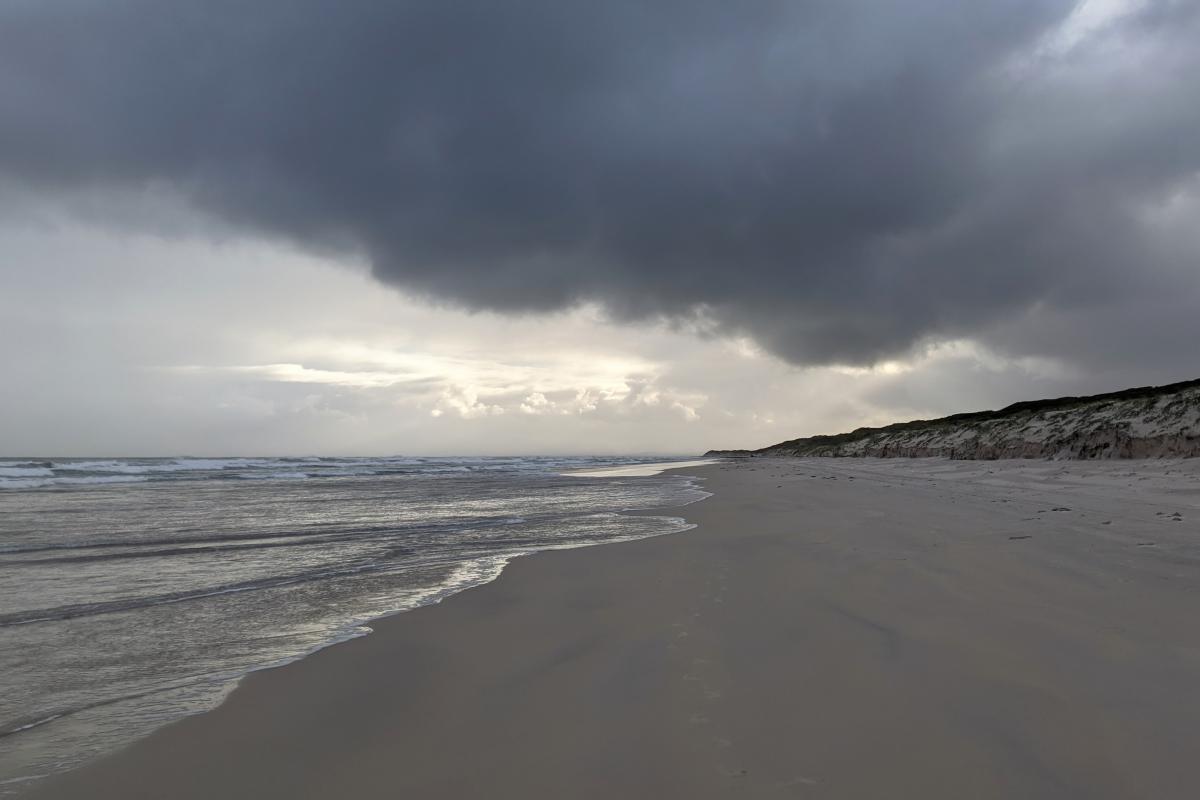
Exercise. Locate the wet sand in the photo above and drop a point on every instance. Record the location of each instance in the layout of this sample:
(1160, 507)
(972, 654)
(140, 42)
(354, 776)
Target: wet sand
(833, 629)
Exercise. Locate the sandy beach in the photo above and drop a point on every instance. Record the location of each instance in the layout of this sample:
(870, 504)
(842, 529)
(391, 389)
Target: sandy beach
(832, 628)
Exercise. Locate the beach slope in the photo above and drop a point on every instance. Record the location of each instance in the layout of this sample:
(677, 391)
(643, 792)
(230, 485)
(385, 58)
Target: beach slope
(832, 629)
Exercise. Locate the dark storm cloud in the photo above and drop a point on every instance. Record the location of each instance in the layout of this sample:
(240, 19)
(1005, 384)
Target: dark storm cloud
(839, 180)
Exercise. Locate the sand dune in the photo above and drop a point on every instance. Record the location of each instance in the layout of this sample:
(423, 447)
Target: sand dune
(1150, 422)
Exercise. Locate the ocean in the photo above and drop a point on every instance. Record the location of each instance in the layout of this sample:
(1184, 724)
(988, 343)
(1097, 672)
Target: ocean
(137, 591)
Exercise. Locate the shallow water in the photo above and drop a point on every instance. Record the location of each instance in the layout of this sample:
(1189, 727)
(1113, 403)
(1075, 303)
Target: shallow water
(136, 591)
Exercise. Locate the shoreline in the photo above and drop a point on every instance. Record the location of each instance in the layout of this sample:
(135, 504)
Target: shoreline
(771, 651)
(479, 572)
(34, 785)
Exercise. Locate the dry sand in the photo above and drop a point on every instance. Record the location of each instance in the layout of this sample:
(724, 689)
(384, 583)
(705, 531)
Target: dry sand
(833, 629)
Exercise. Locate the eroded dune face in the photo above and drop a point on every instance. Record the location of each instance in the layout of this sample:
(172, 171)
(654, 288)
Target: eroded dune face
(1165, 425)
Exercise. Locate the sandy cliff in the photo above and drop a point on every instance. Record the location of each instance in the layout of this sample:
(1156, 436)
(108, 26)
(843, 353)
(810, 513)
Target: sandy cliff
(1148, 422)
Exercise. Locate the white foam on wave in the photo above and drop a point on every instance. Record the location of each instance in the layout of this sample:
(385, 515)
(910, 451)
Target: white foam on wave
(34, 724)
(102, 466)
(42, 483)
(25, 472)
(172, 465)
(206, 464)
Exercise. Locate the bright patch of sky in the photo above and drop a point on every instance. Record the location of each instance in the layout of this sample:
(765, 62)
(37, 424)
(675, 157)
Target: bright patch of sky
(183, 346)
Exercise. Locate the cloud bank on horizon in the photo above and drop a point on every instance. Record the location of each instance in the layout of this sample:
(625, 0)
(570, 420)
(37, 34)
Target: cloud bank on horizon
(840, 180)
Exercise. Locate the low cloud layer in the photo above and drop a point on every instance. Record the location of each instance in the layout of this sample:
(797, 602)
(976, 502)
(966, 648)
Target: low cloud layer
(840, 180)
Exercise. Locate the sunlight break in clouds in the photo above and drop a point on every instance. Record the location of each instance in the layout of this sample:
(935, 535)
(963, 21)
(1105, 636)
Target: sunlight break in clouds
(174, 363)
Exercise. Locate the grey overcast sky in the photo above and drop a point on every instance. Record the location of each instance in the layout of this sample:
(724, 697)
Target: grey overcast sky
(553, 226)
